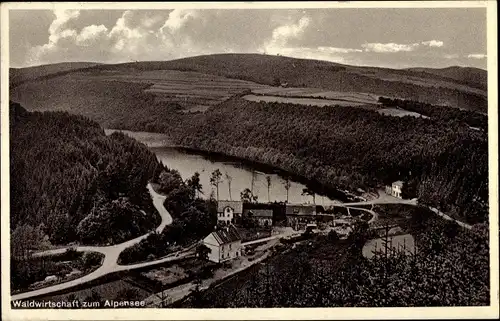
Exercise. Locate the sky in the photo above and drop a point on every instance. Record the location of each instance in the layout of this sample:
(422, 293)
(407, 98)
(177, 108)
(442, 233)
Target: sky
(393, 38)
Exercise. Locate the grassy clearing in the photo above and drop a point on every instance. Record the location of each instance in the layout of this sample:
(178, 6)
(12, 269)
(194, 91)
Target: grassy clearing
(399, 112)
(110, 97)
(354, 97)
(302, 101)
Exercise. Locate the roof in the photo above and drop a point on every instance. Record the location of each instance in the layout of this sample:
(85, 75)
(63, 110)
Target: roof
(259, 212)
(398, 183)
(227, 234)
(300, 209)
(237, 206)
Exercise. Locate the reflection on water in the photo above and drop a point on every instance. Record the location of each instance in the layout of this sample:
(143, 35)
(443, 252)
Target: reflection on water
(240, 175)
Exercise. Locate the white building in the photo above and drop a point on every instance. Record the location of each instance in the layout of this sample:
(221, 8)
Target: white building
(228, 210)
(224, 244)
(396, 189)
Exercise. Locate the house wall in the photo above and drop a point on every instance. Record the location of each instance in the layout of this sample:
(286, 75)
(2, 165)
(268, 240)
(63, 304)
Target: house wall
(230, 251)
(220, 253)
(213, 245)
(396, 191)
(227, 215)
(214, 253)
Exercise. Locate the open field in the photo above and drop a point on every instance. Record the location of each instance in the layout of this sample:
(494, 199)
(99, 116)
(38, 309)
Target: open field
(396, 112)
(226, 74)
(419, 79)
(147, 138)
(301, 101)
(99, 94)
(355, 97)
(18, 76)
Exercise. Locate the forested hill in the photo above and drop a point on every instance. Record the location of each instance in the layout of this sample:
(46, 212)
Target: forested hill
(434, 86)
(19, 76)
(75, 182)
(473, 77)
(444, 161)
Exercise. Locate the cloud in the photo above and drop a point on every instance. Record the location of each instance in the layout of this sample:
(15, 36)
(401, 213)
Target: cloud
(91, 35)
(282, 34)
(135, 35)
(388, 47)
(113, 36)
(338, 50)
(177, 19)
(392, 47)
(476, 56)
(433, 43)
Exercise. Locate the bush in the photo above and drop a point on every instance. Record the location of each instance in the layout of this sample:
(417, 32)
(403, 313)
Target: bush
(91, 259)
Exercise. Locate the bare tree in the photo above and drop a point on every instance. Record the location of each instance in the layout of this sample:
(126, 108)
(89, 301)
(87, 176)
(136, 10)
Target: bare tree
(229, 179)
(287, 184)
(215, 180)
(253, 181)
(268, 180)
(308, 191)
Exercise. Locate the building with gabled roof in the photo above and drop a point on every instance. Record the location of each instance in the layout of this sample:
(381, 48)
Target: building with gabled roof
(224, 244)
(262, 216)
(227, 211)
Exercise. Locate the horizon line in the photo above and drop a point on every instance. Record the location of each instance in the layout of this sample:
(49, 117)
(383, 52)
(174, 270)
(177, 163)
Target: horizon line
(247, 53)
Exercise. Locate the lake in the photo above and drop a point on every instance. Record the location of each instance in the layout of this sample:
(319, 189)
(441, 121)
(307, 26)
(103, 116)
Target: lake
(242, 173)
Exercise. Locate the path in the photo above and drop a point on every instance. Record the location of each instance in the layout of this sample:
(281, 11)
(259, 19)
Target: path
(388, 199)
(111, 253)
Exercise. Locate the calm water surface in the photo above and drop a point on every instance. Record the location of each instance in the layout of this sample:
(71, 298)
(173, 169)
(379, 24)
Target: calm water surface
(242, 174)
(241, 177)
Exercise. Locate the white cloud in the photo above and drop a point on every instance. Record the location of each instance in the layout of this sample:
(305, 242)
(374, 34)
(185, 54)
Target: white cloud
(177, 19)
(451, 56)
(477, 56)
(282, 34)
(311, 53)
(338, 50)
(389, 47)
(392, 47)
(91, 34)
(58, 33)
(433, 43)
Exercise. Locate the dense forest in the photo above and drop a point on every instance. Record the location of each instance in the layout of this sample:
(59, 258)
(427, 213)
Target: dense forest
(442, 158)
(448, 267)
(441, 113)
(193, 218)
(73, 183)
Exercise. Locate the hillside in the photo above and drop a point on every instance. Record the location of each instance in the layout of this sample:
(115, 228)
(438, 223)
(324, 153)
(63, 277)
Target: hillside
(18, 76)
(266, 69)
(257, 70)
(350, 148)
(442, 157)
(76, 183)
(474, 77)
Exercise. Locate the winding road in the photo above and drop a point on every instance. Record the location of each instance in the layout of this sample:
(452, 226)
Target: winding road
(111, 253)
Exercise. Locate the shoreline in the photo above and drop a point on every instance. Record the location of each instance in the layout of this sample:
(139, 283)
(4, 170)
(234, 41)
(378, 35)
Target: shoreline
(334, 193)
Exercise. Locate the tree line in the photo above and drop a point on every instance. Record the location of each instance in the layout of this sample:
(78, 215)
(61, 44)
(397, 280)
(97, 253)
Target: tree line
(448, 267)
(76, 184)
(443, 113)
(444, 161)
(193, 218)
